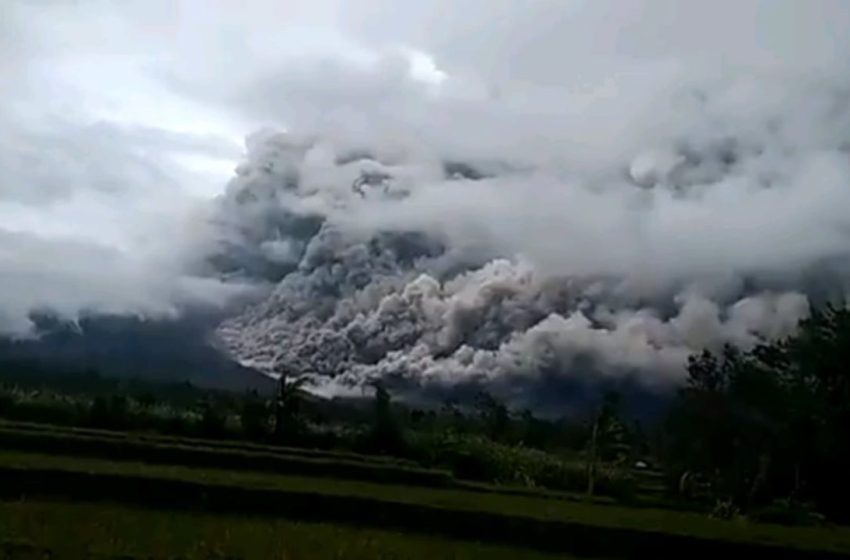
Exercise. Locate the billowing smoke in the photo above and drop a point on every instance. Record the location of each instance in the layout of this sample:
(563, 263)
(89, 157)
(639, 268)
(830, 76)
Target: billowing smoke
(533, 197)
(717, 220)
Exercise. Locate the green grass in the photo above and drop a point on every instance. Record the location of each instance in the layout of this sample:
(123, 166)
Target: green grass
(153, 448)
(224, 444)
(74, 531)
(606, 516)
(199, 455)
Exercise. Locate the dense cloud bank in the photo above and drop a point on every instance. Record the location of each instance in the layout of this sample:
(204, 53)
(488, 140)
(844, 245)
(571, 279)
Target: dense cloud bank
(537, 197)
(716, 221)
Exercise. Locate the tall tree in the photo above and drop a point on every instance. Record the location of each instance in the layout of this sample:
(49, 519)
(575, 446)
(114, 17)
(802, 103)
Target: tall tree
(771, 422)
(288, 422)
(386, 435)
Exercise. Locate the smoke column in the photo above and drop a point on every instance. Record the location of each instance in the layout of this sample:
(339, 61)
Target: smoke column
(718, 217)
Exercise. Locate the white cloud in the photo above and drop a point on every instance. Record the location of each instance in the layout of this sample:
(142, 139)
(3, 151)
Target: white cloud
(104, 175)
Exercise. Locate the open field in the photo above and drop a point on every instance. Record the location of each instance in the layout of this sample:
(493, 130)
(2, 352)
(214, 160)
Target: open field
(170, 450)
(30, 530)
(221, 444)
(199, 453)
(544, 524)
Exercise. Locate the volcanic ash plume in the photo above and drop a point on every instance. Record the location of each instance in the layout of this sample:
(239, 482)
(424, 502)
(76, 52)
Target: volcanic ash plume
(512, 270)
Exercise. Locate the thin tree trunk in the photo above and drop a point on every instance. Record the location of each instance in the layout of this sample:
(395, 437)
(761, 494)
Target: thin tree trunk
(280, 413)
(759, 480)
(591, 466)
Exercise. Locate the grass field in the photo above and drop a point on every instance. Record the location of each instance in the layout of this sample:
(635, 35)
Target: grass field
(556, 524)
(155, 448)
(30, 530)
(220, 444)
(66, 495)
(201, 454)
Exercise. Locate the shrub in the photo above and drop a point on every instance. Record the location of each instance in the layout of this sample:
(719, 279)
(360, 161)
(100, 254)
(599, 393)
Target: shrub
(254, 418)
(725, 509)
(477, 458)
(788, 512)
(213, 421)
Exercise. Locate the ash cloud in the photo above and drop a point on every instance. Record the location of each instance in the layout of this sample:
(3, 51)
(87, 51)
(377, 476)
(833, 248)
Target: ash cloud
(507, 279)
(595, 191)
(526, 197)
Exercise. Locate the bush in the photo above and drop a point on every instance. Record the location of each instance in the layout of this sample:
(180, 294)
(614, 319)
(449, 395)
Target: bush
(788, 512)
(254, 418)
(477, 458)
(213, 421)
(110, 413)
(725, 509)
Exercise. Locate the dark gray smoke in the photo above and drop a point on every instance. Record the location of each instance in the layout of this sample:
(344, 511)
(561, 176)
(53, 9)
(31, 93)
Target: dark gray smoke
(538, 197)
(509, 275)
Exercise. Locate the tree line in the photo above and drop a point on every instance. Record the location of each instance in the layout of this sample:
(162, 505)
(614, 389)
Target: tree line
(761, 432)
(768, 427)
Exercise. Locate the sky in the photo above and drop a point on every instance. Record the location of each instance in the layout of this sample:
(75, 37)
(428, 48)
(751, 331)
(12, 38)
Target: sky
(122, 122)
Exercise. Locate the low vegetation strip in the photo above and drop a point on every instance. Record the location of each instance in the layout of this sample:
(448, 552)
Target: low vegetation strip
(540, 524)
(231, 445)
(464, 497)
(35, 529)
(25, 432)
(514, 469)
(64, 440)
(194, 455)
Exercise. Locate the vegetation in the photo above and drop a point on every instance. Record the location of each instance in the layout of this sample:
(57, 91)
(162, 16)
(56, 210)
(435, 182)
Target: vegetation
(31, 530)
(756, 437)
(482, 441)
(474, 457)
(535, 522)
(765, 431)
(164, 452)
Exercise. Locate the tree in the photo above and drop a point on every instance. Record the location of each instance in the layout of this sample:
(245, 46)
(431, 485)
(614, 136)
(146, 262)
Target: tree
(609, 437)
(772, 422)
(704, 372)
(724, 428)
(816, 363)
(494, 416)
(213, 420)
(254, 416)
(146, 400)
(536, 433)
(386, 435)
(288, 422)
(111, 413)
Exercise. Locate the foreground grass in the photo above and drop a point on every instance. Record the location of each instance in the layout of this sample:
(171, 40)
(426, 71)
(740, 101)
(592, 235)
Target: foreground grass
(470, 503)
(62, 530)
(244, 456)
(154, 438)
(204, 456)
